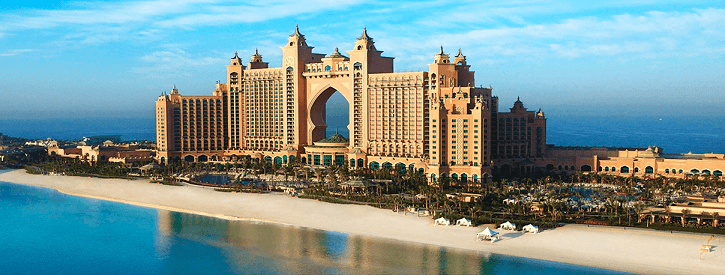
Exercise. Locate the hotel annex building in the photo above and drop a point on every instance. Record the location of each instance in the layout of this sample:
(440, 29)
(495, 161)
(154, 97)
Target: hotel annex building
(436, 121)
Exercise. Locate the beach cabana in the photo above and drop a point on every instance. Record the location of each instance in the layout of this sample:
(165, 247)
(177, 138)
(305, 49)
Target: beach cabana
(487, 234)
(442, 221)
(530, 228)
(507, 226)
(463, 222)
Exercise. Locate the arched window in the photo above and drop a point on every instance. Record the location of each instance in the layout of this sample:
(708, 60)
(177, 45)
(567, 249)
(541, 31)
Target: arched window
(464, 178)
(374, 165)
(667, 171)
(648, 170)
(328, 68)
(360, 163)
(695, 171)
(585, 168)
(433, 177)
(636, 169)
(706, 172)
(614, 169)
(717, 173)
(606, 169)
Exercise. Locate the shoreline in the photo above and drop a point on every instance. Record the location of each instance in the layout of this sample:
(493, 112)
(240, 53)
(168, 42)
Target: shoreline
(614, 248)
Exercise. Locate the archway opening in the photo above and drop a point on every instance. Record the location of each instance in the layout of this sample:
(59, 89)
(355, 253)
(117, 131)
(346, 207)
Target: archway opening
(329, 113)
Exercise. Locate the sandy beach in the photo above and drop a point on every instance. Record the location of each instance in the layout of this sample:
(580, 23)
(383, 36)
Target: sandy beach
(615, 248)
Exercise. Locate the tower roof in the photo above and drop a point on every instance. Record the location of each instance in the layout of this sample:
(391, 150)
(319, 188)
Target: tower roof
(365, 35)
(297, 32)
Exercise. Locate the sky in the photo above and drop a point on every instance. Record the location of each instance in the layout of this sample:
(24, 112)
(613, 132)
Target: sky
(604, 58)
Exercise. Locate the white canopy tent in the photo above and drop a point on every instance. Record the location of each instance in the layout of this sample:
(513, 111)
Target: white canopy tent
(442, 221)
(530, 228)
(487, 234)
(463, 222)
(507, 226)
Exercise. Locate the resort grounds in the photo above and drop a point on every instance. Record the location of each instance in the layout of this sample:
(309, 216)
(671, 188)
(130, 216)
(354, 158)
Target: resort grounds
(615, 248)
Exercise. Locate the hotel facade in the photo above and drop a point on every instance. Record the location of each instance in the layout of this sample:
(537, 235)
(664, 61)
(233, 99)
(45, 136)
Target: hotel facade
(436, 122)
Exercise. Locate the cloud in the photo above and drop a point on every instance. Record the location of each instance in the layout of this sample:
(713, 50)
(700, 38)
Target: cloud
(15, 52)
(174, 61)
(162, 14)
(649, 35)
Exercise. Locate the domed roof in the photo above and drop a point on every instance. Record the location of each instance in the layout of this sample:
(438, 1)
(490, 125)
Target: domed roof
(336, 138)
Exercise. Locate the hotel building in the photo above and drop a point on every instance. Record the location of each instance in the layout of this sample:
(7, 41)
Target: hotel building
(433, 121)
(436, 122)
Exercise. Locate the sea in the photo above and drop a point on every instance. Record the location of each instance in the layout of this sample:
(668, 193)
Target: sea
(47, 232)
(675, 134)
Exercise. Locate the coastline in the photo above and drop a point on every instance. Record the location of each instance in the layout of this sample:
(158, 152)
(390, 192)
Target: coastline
(613, 248)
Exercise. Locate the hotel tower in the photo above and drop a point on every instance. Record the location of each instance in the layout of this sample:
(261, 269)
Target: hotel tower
(436, 121)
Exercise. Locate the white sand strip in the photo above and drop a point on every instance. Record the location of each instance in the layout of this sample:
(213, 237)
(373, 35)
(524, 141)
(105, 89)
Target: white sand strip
(616, 248)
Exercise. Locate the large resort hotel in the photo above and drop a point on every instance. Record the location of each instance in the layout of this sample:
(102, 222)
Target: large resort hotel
(436, 122)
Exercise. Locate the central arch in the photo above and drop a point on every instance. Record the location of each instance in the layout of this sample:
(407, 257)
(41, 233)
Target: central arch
(317, 110)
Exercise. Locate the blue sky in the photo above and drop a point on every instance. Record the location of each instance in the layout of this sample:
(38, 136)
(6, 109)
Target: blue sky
(614, 58)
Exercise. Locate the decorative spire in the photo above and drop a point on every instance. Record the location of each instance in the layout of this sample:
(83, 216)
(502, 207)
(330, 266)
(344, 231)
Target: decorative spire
(236, 55)
(441, 52)
(336, 54)
(518, 99)
(297, 32)
(459, 53)
(365, 35)
(256, 52)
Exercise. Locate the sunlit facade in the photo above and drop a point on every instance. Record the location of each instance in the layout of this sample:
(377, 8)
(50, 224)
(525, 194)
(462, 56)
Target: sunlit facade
(436, 122)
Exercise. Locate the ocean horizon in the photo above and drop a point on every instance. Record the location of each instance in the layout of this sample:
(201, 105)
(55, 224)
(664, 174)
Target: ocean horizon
(673, 134)
(46, 231)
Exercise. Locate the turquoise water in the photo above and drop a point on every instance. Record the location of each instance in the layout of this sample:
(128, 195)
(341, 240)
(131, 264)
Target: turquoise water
(46, 232)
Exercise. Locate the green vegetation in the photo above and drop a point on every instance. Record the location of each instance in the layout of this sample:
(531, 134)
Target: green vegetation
(546, 201)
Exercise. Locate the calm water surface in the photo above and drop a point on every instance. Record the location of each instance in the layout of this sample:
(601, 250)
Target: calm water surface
(46, 232)
(676, 134)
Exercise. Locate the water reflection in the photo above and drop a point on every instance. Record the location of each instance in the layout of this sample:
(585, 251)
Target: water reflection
(303, 250)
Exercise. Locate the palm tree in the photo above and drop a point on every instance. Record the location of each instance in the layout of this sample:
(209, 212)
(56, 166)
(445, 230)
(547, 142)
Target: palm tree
(703, 215)
(685, 212)
(715, 216)
(668, 210)
(638, 208)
